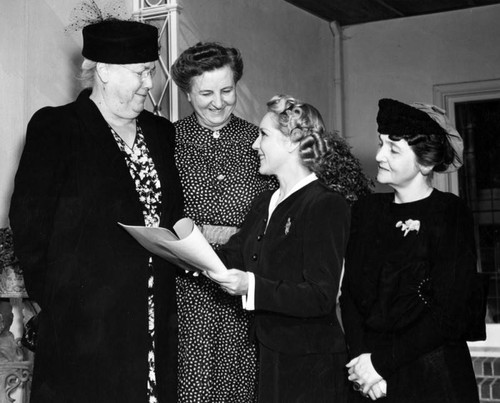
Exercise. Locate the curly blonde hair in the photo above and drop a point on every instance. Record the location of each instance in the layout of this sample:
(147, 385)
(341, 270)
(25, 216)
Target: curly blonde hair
(303, 123)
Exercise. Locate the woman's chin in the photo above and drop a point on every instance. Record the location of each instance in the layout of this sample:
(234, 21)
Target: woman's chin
(263, 171)
(382, 178)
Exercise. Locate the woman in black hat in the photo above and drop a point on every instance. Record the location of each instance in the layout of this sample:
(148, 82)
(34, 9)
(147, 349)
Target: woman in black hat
(107, 325)
(408, 291)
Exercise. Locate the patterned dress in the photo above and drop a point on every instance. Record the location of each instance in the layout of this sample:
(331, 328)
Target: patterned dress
(219, 175)
(148, 187)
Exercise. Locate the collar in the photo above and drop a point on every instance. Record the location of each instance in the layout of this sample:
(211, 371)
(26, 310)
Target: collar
(273, 203)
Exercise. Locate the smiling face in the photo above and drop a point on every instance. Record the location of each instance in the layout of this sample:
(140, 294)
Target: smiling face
(397, 163)
(127, 87)
(271, 146)
(213, 97)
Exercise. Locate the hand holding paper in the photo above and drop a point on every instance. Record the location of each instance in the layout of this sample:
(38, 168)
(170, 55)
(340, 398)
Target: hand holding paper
(233, 281)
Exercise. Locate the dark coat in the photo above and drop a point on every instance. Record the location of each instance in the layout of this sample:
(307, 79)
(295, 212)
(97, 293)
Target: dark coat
(88, 275)
(406, 296)
(297, 262)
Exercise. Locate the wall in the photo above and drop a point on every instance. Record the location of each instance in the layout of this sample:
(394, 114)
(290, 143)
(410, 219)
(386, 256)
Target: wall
(285, 50)
(404, 58)
(12, 69)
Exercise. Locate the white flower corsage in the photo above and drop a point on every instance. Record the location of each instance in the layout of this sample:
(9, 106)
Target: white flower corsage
(408, 225)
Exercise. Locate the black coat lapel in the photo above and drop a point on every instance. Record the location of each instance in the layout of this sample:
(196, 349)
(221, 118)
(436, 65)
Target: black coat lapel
(101, 140)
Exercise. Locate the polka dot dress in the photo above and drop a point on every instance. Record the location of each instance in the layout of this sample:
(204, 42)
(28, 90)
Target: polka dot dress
(219, 175)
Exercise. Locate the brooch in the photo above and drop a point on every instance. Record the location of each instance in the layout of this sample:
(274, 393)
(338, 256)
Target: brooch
(408, 225)
(288, 225)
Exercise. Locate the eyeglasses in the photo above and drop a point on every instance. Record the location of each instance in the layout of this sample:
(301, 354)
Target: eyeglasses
(141, 74)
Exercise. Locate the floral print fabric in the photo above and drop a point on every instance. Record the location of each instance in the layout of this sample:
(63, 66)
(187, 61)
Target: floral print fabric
(148, 187)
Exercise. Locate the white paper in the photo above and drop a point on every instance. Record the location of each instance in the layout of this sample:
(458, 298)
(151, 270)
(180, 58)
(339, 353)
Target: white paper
(187, 248)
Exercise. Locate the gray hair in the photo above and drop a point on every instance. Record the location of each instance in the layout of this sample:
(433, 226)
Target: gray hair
(87, 74)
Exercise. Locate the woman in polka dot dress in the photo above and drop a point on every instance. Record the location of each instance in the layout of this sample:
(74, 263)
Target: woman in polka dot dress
(219, 175)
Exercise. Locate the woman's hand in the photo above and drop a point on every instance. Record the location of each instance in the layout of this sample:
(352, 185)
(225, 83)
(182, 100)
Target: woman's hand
(233, 281)
(361, 371)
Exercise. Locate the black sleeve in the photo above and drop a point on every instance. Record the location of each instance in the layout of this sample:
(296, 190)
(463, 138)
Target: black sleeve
(37, 186)
(231, 253)
(352, 318)
(176, 196)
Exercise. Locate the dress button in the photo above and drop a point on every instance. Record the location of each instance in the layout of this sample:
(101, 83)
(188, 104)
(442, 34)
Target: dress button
(220, 177)
(216, 134)
(254, 257)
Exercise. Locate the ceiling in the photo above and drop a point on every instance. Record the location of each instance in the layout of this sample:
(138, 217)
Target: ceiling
(350, 12)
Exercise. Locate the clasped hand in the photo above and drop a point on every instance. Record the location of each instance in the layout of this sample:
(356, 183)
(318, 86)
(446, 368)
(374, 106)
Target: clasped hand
(362, 373)
(233, 281)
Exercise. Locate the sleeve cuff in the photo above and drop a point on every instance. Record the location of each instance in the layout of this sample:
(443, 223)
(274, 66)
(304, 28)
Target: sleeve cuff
(249, 299)
(382, 364)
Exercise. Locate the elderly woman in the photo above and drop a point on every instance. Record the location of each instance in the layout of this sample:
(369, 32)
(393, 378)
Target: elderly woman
(219, 175)
(107, 323)
(287, 261)
(410, 268)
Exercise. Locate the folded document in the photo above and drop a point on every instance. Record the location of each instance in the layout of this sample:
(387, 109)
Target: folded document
(186, 248)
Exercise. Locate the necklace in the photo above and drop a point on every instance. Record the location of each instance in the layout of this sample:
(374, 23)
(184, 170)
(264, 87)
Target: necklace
(122, 139)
